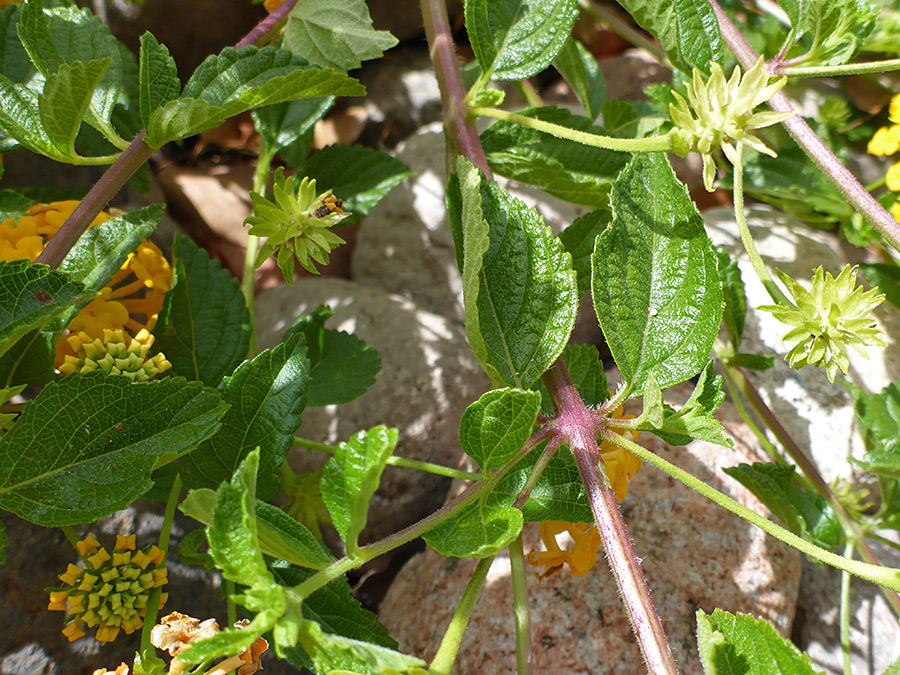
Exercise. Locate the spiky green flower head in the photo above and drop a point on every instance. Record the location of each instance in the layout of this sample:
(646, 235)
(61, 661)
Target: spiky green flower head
(718, 114)
(833, 315)
(296, 223)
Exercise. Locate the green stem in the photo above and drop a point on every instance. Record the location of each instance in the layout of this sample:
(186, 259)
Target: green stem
(393, 460)
(535, 474)
(622, 29)
(651, 144)
(838, 71)
(520, 600)
(889, 578)
(845, 611)
(71, 536)
(883, 540)
(260, 181)
(529, 93)
(446, 654)
(755, 258)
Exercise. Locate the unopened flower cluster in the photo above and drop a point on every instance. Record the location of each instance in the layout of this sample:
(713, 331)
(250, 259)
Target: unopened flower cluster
(117, 353)
(111, 593)
(833, 315)
(719, 114)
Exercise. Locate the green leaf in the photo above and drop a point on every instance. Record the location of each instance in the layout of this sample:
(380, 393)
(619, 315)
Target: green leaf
(879, 419)
(753, 361)
(580, 69)
(495, 428)
(587, 374)
(342, 367)
(571, 171)
(67, 94)
(20, 118)
(332, 653)
(85, 446)
(655, 278)
(350, 478)
(620, 118)
(282, 124)
(335, 34)
(515, 39)
(687, 30)
(520, 291)
(181, 118)
(204, 324)
(159, 83)
(55, 36)
(837, 28)
(893, 669)
(359, 176)
(739, 644)
(695, 419)
(189, 550)
(578, 239)
(30, 296)
(886, 277)
(804, 513)
(735, 311)
(14, 61)
(279, 535)
(266, 396)
(477, 530)
(30, 360)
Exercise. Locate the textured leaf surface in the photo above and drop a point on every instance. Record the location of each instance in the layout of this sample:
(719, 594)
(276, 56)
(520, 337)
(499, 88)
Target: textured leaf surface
(85, 446)
(655, 278)
(686, 29)
(282, 124)
(494, 428)
(879, 418)
(515, 39)
(29, 360)
(204, 325)
(266, 396)
(582, 72)
(735, 297)
(332, 653)
(739, 644)
(804, 513)
(478, 530)
(181, 118)
(159, 83)
(65, 100)
(30, 296)
(558, 495)
(335, 34)
(578, 239)
(571, 171)
(350, 478)
(519, 287)
(20, 118)
(359, 176)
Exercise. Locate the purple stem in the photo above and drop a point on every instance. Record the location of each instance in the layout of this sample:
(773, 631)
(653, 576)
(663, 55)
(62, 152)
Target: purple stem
(821, 156)
(124, 167)
(575, 423)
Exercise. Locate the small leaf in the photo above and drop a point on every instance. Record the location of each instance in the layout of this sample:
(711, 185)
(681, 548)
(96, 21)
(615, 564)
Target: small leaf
(886, 277)
(204, 324)
(735, 311)
(282, 124)
(359, 176)
(578, 239)
(495, 428)
(350, 478)
(565, 169)
(581, 71)
(655, 278)
(29, 360)
(342, 367)
(335, 34)
(159, 83)
(879, 418)
(91, 442)
(753, 361)
(739, 644)
(65, 99)
(266, 396)
(514, 39)
(804, 513)
(620, 118)
(519, 287)
(30, 296)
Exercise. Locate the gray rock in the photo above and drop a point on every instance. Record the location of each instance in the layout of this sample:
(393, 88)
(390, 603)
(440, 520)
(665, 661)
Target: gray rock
(694, 554)
(428, 377)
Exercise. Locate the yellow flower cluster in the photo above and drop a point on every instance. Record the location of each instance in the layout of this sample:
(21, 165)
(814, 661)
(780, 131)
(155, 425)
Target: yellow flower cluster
(886, 141)
(111, 592)
(116, 354)
(132, 299)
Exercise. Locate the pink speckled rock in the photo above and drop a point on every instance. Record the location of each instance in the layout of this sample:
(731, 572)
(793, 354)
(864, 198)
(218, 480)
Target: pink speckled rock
(695, 555)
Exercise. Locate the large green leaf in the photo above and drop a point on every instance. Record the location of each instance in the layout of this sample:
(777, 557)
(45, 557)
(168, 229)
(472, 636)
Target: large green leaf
(336, 654)
(181, 118)
(65, 99)
(85, 446)
(879, 418)
(571, 171)
(159, 83)
(204, 324)
(582, 72)
(335, 34)
(686, 29)
(266, 396)
(739, 644)
(519, 287)
(20, 119)
(655, 278)
(515, 39)
(495, 428)
(30, 296)
(350, 478)
(358, 175)
(477, 530)
(282, 124)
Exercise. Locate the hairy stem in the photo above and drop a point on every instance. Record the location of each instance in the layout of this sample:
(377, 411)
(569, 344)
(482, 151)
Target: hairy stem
(248, 278)
(650, 144)
(837, 71)
(520, 600)
(575, 426)
(845, 612)
(812, 145)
